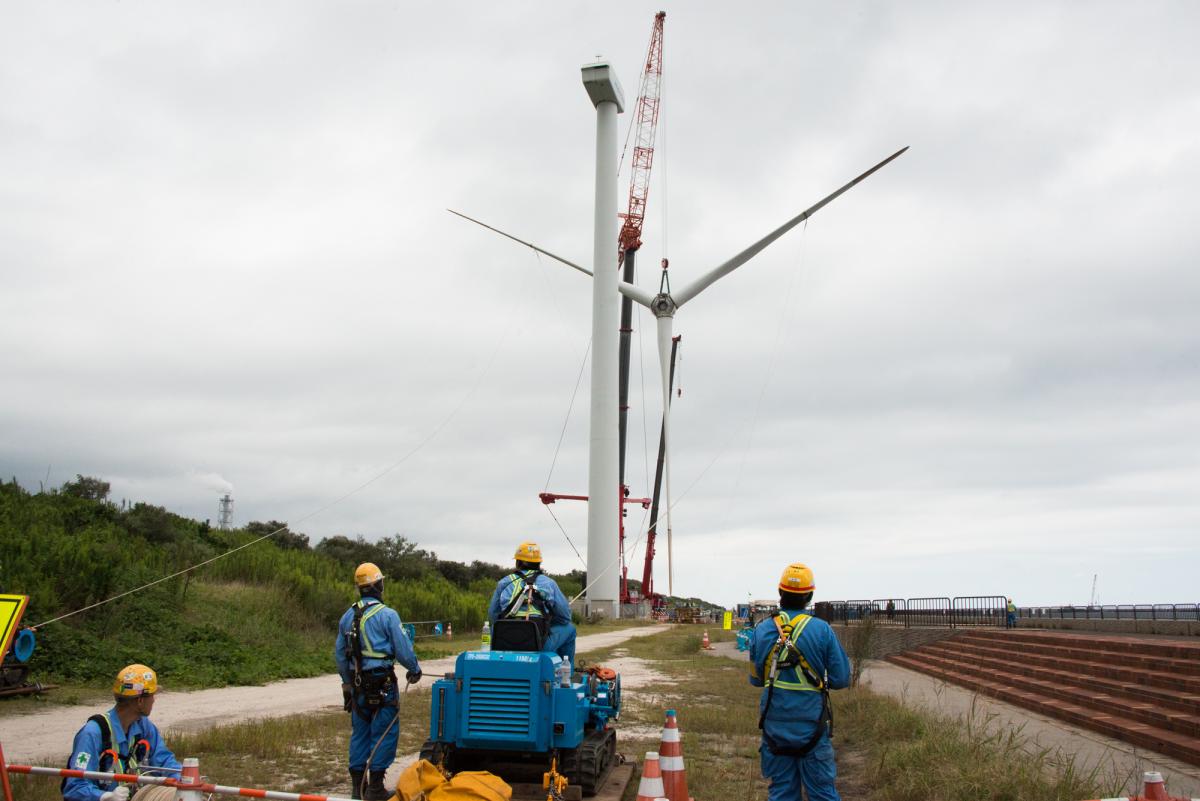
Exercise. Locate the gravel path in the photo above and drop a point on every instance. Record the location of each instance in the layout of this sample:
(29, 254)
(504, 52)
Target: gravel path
(46, 735)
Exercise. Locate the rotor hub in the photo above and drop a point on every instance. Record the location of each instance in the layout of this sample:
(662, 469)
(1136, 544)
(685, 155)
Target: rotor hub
(663, 305)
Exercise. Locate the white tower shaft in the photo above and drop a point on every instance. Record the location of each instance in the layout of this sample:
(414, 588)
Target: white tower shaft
(604, 498)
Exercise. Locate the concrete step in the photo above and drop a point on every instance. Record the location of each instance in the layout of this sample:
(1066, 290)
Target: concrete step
(1110, 723)
(1154, 674)
(1149, 713)
(1179, 648)
(1180, 658)
(1170, 694)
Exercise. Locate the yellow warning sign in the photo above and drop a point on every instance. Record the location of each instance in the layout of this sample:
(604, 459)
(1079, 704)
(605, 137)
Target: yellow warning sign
(11, 609)
(728, 623)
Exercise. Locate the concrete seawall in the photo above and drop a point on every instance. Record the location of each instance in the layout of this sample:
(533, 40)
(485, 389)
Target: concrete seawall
(1173, 628)
(891, 639)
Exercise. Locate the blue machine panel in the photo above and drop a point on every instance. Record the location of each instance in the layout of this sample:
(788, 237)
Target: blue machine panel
(499, 707)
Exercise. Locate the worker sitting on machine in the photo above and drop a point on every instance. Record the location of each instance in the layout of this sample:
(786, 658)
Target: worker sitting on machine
(123, 740)
(529, 594)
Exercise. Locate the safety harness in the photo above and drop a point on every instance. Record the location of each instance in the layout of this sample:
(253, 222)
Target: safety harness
(787, 654)
(125, 763)
(527, 600)
(373, 685)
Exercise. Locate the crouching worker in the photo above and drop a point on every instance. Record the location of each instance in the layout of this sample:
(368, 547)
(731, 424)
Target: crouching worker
(370, 640)
(797, 660)
(122, 740)
(528, 593)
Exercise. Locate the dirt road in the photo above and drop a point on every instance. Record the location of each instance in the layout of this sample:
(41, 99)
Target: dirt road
(45, 737)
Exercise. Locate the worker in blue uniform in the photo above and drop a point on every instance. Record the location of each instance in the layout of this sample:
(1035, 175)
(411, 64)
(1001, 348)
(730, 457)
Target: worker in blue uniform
(797, 660)
(529, 593)
(370, 640)
(122, 740)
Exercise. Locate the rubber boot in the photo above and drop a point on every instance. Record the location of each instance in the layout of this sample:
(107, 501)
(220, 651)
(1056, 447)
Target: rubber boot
(375, 791)
(356, 783)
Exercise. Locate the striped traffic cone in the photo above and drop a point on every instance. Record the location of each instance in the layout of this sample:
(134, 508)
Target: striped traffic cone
(1154, 788)
(670, 760)
(650, 788)
(705, 644)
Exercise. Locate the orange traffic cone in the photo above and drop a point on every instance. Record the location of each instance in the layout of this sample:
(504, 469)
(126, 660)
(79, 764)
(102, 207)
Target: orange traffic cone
(1154, 789)
(650, 788)
(705, 644)
(670, 760)
(449, 631)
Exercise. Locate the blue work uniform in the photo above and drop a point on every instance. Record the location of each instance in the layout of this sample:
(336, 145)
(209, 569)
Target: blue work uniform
(560, 639)
(796, 705)
(132, 755)
(383, 644)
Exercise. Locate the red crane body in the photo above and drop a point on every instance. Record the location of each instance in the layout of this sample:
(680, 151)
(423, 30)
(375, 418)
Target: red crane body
(645, 125)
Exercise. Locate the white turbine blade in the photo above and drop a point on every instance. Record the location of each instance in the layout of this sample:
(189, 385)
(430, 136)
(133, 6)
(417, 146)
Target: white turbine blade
(567, 262)
(665, 332)
(700, 284)
(633, 293)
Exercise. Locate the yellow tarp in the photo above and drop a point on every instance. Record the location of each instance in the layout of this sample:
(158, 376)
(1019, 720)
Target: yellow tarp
(422, 781)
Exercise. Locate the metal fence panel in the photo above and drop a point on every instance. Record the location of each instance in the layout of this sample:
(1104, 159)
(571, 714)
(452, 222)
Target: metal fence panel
(927, 612)
(890, 611)
(979, 610)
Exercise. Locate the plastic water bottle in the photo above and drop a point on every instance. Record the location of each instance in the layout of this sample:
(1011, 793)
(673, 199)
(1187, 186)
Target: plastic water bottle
(485, 641)
(563, 672)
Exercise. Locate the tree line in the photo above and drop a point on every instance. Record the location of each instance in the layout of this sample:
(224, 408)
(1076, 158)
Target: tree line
(70, 547)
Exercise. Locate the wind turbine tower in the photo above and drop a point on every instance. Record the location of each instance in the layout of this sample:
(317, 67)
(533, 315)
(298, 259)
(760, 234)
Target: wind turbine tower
(604, 490)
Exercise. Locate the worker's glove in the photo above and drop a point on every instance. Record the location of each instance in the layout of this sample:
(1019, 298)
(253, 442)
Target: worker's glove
(119, 794)
(413, 676)
(347, 697)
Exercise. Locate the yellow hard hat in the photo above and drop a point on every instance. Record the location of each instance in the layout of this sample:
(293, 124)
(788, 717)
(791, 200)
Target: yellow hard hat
(529, 552)
(134, 681)
(367, 574)
(797, 577)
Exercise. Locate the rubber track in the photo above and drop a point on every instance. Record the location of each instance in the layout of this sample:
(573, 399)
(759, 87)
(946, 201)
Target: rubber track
(589, 764)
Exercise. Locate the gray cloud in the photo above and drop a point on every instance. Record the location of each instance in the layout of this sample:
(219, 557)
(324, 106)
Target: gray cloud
(226, 262)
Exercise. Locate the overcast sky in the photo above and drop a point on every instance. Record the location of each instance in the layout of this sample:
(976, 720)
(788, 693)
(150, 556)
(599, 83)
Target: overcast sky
(227, 266)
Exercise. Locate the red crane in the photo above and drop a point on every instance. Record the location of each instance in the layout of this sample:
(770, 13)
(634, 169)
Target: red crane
(645, 124)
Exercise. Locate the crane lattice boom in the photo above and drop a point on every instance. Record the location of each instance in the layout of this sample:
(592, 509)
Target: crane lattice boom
(645, 122)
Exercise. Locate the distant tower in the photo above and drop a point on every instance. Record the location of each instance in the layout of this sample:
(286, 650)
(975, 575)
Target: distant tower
(225, 515)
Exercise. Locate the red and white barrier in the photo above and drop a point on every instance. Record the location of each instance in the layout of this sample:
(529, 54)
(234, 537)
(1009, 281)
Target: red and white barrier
(195, 785)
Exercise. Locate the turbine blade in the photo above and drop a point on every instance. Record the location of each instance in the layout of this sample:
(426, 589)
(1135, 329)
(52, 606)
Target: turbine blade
(567, 262)
(703, 282)
(633, 293)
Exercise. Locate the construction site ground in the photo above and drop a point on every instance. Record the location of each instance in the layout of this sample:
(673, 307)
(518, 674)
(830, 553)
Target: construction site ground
(297, 741)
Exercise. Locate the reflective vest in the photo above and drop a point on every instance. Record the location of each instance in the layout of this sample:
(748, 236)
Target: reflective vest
(109, 760)
(367, 612)
(518, 606)
(1012, 607)
(790, 628)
